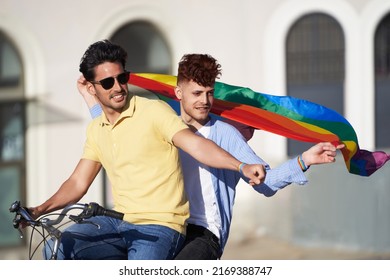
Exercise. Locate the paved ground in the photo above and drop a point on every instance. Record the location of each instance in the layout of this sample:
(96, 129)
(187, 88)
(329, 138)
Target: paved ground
(265, 248)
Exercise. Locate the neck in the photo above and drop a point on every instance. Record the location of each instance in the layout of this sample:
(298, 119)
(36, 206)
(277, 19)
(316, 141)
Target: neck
(193, 124)
(113, 114)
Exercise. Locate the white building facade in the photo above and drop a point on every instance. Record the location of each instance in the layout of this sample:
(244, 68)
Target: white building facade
(260, 44)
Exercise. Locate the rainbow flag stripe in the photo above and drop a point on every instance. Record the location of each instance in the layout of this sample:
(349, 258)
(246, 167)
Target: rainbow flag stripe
(283, 115)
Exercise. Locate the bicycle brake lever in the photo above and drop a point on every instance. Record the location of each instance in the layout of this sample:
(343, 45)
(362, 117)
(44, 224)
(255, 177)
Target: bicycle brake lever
(76, 218)
(21, 235)
(87, 213)
(16, 223)
(81, 220)
(89, 222)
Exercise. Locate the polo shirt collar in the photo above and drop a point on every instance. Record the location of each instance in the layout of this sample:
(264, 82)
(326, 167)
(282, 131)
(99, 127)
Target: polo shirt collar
(128, 112)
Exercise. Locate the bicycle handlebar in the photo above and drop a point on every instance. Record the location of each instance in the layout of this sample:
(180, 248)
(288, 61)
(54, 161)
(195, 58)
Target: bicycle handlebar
(88, 210)
(21, 213)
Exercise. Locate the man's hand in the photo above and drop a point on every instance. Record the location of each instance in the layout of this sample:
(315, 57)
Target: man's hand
(324, 152)
(83, 90)
(33, 211)
(255, 173)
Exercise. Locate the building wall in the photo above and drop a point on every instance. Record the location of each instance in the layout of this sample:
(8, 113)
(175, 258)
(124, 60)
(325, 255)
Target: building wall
(336, 209)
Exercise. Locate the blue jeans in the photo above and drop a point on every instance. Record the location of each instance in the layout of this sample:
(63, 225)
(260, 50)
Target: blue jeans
(116, 240)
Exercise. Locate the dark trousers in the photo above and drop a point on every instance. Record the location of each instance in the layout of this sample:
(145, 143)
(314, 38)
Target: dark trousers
(200, 244)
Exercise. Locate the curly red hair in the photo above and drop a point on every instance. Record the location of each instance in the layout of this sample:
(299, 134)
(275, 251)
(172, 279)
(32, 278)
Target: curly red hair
(200, 68)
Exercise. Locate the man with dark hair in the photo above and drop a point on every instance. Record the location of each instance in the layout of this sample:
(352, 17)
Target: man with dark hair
(136, 140)
(211, 191)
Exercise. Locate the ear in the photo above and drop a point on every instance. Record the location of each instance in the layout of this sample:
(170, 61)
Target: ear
(91, 89)
(178, 92)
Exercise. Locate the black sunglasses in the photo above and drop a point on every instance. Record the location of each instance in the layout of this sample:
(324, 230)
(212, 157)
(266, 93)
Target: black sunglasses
(109, 82)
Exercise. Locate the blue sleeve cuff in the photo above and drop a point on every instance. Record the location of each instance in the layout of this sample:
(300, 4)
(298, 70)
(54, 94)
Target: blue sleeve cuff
(95, 111)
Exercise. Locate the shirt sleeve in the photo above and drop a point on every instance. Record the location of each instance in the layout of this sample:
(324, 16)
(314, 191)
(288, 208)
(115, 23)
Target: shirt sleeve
(95, 111)
(90, 149)
(276, 178)
(279, 177)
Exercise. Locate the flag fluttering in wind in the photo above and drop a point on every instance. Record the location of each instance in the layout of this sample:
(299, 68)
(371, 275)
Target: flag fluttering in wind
(283, 115)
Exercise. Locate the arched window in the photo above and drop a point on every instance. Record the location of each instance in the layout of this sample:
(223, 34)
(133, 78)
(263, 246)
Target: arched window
(382, 83)
(147, 52)
(146, 48)
(12, 136)
(315, 65)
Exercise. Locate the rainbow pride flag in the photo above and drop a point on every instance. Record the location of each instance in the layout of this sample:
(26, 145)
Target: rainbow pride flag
(283, 115)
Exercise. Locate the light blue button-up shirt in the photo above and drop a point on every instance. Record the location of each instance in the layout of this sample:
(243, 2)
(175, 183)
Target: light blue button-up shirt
(225, 181)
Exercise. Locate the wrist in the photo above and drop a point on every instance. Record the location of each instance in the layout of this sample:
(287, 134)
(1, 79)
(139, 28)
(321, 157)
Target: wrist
(34, 212)
(302, 164)
(240, 167)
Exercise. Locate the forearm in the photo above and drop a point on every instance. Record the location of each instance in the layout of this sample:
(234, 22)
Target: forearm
(210, 154)
(285, 174)
(278, 178)
(205, 151)
(66, 194)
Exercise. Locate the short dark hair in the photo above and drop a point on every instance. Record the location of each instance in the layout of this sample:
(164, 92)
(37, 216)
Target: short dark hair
(98, 53)
(200, 68)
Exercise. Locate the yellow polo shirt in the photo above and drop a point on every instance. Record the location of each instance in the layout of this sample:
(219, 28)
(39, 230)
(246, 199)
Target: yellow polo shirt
(142, 163)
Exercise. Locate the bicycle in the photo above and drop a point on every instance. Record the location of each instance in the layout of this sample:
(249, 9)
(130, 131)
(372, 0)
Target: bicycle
(51, 226)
